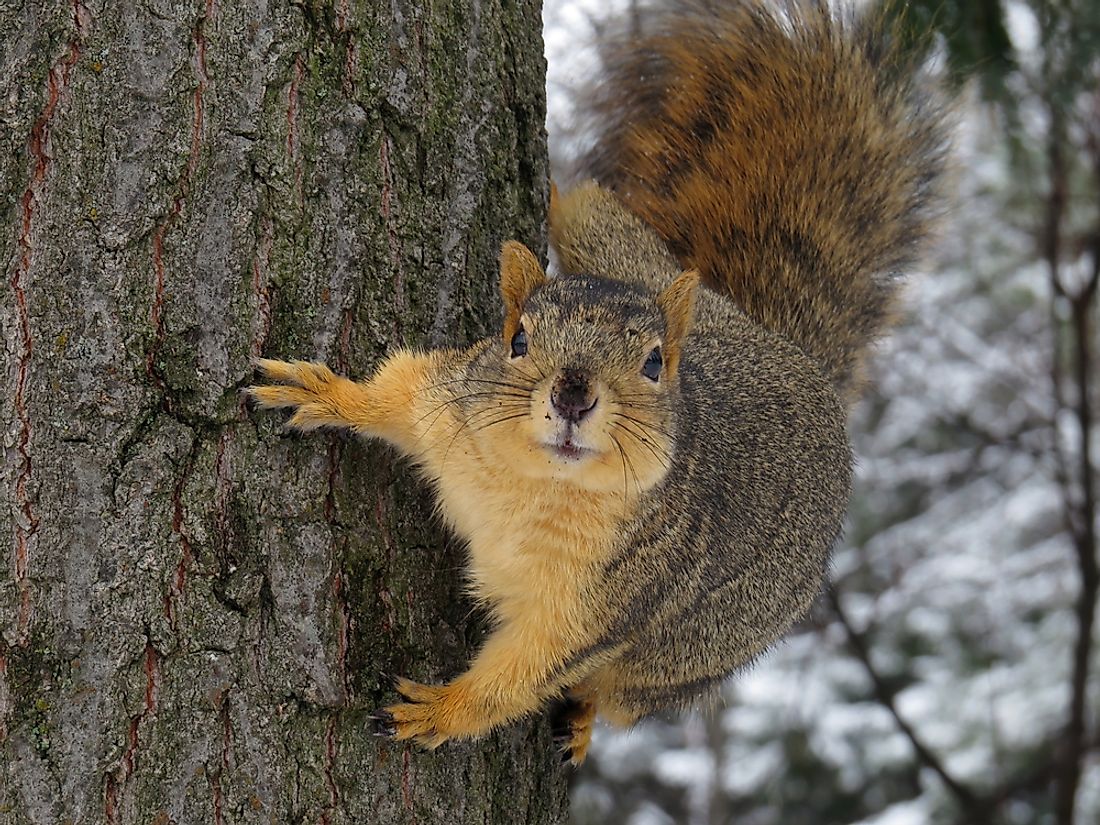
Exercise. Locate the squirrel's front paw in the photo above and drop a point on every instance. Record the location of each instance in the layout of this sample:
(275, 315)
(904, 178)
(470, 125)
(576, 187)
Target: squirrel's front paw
(311, 390)
(433, 714)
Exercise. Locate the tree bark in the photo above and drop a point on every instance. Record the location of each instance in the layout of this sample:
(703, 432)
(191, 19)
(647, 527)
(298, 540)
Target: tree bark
(198, 609)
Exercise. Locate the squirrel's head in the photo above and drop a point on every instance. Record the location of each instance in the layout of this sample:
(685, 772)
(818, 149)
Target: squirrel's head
(588, 374)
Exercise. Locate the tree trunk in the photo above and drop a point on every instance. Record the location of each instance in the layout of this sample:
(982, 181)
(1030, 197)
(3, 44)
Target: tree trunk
(199, 610)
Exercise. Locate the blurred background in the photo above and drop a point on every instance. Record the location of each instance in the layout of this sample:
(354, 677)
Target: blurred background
(950, 674)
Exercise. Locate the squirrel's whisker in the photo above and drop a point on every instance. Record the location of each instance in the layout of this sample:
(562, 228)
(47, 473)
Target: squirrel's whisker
(523, 409)
(646, 425)
(455, 400)
(469, 380)
(493, 423)
(663, 457)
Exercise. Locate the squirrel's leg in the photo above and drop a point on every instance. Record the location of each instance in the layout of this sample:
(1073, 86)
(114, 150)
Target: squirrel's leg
(388, 405)
(512, 676)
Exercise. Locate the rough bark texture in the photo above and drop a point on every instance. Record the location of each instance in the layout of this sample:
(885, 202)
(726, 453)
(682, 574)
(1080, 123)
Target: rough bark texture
(196, 608)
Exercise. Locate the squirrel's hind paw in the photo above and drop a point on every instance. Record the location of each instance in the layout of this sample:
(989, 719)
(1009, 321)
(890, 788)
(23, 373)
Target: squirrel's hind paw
(572, 723)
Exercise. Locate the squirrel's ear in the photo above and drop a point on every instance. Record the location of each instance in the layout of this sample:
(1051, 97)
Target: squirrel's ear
(677, 303)
(520, 273)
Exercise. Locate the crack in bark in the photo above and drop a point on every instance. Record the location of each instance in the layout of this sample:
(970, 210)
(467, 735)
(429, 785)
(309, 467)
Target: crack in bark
(183, 188)
(406, 784)
(261, 291)
(351, 51)
(222, 485)
(351, 64)
(216, 796)
(152, 670)
(26, 526)
(179, 578)
(115, 780)
(266, 616)
(389, 621)
(215, 776)
(297, 789)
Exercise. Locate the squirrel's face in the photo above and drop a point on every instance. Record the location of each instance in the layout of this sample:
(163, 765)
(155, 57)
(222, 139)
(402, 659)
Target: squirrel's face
(588, 373)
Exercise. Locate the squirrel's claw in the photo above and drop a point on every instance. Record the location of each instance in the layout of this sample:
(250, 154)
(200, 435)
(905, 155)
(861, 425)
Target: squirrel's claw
(383, 723)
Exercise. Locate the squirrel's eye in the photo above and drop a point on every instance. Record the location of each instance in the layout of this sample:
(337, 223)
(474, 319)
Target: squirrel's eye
(651, 369)
(519, 343)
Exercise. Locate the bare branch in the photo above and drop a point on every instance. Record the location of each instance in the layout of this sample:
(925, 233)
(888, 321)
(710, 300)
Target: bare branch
(977, 811)
(1082, 521)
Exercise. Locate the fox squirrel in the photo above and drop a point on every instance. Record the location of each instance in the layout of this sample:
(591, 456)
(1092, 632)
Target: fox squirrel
(650, 476)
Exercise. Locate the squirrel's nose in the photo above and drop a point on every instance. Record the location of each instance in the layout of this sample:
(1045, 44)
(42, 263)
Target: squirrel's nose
(571, 395)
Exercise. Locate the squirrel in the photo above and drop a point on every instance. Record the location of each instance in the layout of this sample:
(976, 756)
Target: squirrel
(650, 464)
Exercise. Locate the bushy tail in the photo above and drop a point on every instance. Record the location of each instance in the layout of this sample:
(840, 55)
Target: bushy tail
(791, 155)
